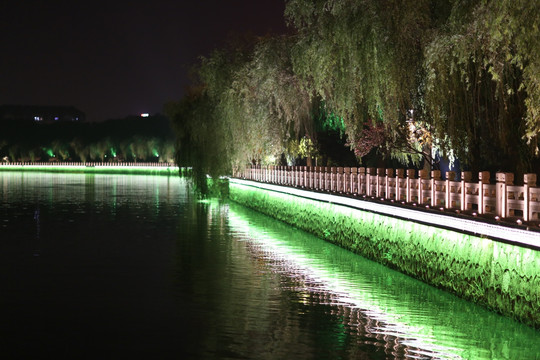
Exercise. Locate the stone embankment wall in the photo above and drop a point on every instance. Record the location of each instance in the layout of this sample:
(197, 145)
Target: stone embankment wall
(500, 276)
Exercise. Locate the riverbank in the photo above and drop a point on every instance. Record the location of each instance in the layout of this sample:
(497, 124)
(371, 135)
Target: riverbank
(489, 264)
(101, 168)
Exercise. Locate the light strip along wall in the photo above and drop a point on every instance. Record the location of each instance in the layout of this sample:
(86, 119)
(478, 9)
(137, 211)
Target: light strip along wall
(502, 275)
(512, 235)
(103, 169)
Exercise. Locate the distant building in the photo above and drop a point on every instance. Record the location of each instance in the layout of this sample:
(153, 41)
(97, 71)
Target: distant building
(41, 114)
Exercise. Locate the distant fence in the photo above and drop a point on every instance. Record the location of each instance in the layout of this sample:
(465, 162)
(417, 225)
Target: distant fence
(115, 164)
(502, 199)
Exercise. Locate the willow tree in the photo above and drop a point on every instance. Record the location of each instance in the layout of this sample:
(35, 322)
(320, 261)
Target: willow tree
(364, 60)
(483, 83)
(265, 105)
(247, 106)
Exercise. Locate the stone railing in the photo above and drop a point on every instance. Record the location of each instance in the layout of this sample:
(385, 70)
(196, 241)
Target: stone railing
(502, 199)
(59, 163)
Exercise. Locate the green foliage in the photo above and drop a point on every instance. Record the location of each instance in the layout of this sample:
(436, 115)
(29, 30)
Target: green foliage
(129, 139)
(329, 122)
(247, 108)
(481, 87)
(363, 59)
(456, 77)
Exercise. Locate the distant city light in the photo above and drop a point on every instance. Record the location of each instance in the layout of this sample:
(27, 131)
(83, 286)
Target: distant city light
(145, 115)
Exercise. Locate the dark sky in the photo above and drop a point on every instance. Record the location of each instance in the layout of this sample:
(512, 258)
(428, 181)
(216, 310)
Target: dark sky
(116, 58)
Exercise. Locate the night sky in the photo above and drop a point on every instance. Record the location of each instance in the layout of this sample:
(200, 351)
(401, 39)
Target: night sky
(117, 58)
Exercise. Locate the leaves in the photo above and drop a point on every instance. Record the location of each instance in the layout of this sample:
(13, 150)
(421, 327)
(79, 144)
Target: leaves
(467, 70)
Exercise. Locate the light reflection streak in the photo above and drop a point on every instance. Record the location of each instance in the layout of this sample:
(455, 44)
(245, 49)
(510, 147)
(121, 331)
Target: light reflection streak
(418, 340)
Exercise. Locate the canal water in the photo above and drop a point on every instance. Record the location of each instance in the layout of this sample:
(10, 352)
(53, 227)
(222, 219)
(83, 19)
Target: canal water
(101, 266)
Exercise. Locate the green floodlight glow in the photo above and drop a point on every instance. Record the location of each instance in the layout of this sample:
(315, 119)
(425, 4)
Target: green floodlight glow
(502, 275)
(49, 152)
(401, 310)
(100, 169)
(113, 152)
(155, 152)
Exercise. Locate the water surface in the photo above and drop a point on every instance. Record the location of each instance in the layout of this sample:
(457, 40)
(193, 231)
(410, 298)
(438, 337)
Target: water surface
(113, 266)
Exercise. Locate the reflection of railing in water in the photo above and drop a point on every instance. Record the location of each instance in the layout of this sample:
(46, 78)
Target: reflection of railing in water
(503, 199)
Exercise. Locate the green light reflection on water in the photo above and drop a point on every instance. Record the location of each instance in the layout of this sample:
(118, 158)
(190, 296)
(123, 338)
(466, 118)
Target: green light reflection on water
(437, 323)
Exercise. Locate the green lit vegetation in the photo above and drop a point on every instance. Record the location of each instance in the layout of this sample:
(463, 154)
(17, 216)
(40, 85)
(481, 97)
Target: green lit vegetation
(477, 269)
(131, 139)
(389, 81)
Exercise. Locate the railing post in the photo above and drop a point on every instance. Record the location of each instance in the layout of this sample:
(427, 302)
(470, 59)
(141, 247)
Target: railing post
(339, 181)
(370, 172)
(435, 176)
(333, 172)
(400, 173)
(410, 176)
(422, 176)
(347, 180)
(389, 175)
(466, 177)
(354, 176)
(361, 179)
(483, 178)
(450, 176)
(380, 177)
(529, 180)
(503, 180)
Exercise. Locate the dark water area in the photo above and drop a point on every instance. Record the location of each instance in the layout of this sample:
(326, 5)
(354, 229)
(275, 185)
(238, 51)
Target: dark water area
(113, 266)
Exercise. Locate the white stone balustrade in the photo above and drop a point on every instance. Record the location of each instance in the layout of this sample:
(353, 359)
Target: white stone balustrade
(502, 199)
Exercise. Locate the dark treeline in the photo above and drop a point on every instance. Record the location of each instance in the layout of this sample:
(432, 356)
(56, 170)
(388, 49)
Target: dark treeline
(129, 139)
(381, 82)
